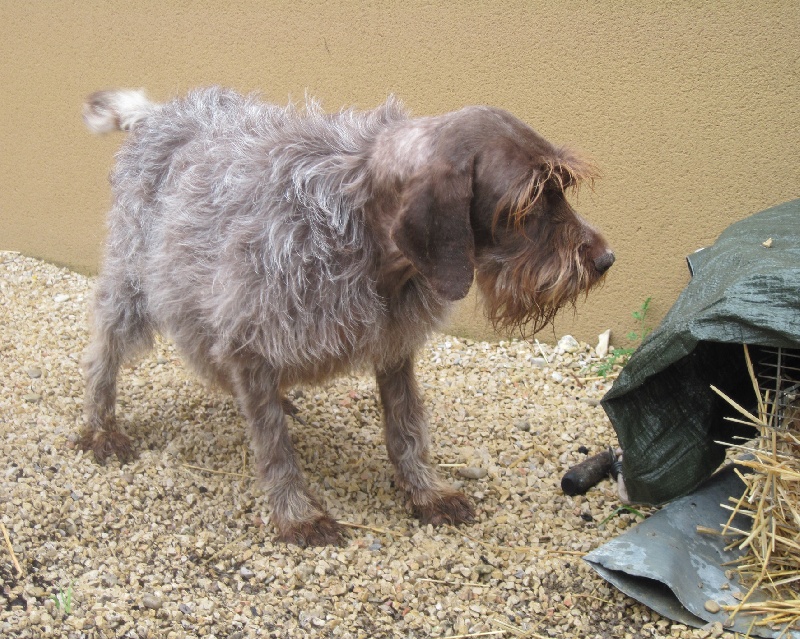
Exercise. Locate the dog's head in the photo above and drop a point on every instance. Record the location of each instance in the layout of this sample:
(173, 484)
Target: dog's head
(491, 203)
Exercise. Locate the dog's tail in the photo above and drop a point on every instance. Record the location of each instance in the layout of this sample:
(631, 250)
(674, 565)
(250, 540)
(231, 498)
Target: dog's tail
(117, 110)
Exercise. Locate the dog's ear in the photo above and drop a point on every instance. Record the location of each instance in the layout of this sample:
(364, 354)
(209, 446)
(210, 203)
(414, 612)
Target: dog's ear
(433, 228)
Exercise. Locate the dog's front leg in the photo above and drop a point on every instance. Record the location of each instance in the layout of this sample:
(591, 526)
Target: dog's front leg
(298, 516)
(408, 443)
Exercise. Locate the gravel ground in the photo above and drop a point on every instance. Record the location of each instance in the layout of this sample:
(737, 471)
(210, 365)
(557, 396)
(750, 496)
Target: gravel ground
(176, 545)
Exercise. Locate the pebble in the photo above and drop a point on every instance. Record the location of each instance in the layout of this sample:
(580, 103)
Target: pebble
(601, 349)
(568, 344)
(61, 297)
(34, 373)
(32, 398)
(151, 601)
(109, 579)
(712, 606)
(246, 573)
(472, 472)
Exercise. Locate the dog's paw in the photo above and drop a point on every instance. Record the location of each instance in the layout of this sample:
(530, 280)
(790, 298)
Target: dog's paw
(322, 531)
(450, 508)
(104, 443)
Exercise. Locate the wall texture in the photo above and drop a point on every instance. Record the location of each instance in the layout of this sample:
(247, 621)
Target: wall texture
(690, 108)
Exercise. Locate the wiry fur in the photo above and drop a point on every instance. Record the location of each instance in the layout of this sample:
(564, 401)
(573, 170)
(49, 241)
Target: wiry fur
(280, 246)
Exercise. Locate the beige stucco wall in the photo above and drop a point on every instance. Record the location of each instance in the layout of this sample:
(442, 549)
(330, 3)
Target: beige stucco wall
(690, 108)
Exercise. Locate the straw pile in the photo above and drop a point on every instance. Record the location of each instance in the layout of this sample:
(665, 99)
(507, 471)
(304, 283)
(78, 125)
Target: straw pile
(772, 501)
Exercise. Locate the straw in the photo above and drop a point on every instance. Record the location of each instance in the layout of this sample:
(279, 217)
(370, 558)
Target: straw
(771, 499)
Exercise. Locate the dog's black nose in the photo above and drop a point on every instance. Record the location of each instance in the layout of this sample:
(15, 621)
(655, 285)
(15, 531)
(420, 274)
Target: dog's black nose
(604, 262)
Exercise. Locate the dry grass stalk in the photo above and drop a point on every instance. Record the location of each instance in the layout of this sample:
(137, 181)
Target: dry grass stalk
(10, 549)
(772, 501)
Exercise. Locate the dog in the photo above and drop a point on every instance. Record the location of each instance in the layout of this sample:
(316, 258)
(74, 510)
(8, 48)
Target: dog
(280, 246)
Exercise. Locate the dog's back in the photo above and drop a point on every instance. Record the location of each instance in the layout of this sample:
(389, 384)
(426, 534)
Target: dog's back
(244, 223)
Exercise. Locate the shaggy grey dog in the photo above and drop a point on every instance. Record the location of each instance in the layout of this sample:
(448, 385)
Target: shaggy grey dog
(280, 246)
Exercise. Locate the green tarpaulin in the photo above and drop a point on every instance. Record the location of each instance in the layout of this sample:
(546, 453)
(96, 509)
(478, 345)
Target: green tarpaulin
(666, 416)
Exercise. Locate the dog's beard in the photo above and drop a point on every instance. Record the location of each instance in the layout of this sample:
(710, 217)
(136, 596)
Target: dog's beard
(523, 295)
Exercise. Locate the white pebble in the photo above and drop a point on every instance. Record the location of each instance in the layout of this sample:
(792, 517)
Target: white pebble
(568, 344)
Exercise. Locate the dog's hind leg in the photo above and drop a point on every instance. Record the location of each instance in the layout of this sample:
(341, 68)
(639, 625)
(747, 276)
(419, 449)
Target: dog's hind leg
(408, 444)
(120, 330)
(298, 516)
